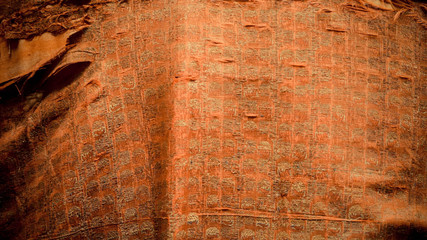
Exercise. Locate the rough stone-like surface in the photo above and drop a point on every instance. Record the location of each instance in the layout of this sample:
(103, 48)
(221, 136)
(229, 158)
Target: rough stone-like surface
(224, 120)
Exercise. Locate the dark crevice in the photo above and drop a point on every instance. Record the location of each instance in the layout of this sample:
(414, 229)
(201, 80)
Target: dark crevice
(64, 77)
(404, 231)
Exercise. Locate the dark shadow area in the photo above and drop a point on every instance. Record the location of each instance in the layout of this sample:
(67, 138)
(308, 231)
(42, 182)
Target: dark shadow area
(64, 77)
(76, 37)
(13, 160)
(32, 84)
(388, 189)
(157, 118)
(7, 7)
(12, 157)
(404, 231)
(19, 150)
(13, 44)
(76, 2)
(36, 88)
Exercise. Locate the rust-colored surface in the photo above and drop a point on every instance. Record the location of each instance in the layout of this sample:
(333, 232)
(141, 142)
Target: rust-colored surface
(223, 120)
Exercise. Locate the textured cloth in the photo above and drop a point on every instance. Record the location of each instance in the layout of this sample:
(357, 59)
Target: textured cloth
(225, 120)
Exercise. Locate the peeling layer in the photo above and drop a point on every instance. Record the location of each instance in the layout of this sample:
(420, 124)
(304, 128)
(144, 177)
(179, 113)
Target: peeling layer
(28, 56)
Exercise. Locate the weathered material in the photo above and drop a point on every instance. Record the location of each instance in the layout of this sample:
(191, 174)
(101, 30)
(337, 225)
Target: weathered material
(223, 120)
(23, 58)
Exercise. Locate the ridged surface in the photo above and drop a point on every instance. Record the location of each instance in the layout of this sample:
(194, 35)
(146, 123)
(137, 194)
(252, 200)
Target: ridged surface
(224, 120)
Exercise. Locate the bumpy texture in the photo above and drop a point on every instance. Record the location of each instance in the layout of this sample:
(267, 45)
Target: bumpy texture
(224, 120)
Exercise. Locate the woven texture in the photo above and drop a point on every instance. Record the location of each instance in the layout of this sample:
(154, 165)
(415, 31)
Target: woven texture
(225, 120)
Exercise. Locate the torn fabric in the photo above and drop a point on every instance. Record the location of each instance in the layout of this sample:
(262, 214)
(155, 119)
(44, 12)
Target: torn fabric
(30, 55)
